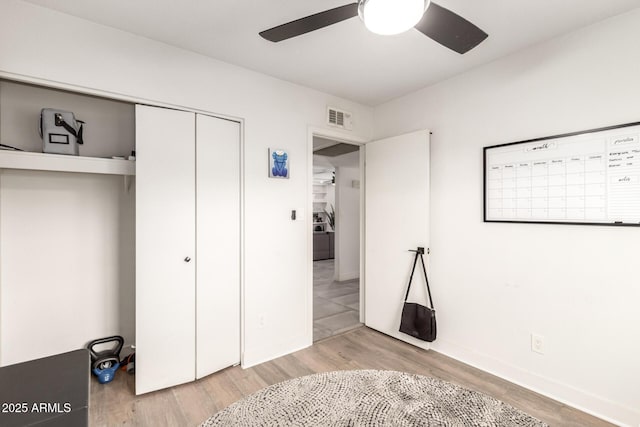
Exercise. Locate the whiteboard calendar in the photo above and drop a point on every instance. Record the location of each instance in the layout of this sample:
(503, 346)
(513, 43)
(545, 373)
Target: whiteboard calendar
(590, 177)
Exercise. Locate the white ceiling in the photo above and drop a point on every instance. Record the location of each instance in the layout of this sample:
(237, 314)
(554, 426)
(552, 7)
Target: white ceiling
(344, 59)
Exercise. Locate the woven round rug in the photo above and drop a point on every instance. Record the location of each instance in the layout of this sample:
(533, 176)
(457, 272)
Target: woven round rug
(369, 398)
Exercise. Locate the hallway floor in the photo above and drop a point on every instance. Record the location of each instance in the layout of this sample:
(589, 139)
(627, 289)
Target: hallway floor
(336, 305)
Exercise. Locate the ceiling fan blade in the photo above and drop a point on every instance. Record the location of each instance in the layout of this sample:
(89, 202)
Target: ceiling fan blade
(449, 29)
(310, 23)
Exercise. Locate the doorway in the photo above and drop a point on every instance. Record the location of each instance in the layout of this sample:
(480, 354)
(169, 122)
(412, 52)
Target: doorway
(336, 219)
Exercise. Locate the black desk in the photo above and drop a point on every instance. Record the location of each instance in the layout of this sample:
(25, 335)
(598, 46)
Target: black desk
(48, 392)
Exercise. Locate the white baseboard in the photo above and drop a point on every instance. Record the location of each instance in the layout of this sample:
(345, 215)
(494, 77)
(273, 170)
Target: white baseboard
(343, 277)
(589, 403)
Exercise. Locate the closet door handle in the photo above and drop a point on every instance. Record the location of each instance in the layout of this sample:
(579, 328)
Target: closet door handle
(187, 259)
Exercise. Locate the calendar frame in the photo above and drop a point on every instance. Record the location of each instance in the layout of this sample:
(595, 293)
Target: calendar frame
(561, 138)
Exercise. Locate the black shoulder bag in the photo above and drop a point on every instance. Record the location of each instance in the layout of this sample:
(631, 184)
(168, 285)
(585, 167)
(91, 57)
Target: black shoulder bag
(417, 320)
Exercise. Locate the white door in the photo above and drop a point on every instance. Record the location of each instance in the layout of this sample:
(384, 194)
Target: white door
(165, 248)
(396, 221)
(218, 244)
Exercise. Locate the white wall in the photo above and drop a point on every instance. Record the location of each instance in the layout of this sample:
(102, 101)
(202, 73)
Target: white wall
(347, 222)
(495, 284)
(66, 265)
(275, 113)
(331, 197)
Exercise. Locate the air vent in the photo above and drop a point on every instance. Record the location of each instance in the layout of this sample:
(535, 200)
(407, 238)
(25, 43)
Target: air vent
(339, 118)
(336, 117)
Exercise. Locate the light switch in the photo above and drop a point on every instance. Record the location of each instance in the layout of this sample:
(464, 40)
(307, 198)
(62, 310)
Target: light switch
(293, 215)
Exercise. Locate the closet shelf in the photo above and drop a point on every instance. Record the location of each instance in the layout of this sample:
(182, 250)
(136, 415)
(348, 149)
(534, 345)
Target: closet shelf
(62, 163)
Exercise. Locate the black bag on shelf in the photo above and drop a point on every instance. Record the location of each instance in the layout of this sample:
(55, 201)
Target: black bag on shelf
(417, 320)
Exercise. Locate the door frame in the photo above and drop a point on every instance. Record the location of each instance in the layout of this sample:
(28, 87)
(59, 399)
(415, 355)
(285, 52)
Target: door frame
(347, 138)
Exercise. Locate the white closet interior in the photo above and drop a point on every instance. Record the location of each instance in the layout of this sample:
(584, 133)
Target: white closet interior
(67, 231)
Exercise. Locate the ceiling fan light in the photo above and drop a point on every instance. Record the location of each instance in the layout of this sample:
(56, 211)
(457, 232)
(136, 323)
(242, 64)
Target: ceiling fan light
(388, 17)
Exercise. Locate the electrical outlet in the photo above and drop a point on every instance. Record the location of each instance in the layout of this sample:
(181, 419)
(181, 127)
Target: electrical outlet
(261, 322)
(537, 343)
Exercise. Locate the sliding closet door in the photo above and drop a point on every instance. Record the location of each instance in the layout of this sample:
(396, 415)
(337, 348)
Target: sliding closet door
(396, 220)
(165, 248)
(218, 244)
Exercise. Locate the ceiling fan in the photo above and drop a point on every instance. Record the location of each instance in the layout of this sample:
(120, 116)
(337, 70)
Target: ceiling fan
(391, 17)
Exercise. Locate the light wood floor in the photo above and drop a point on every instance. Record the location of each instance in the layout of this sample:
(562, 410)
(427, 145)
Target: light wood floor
(188, 405)
(336, 305)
